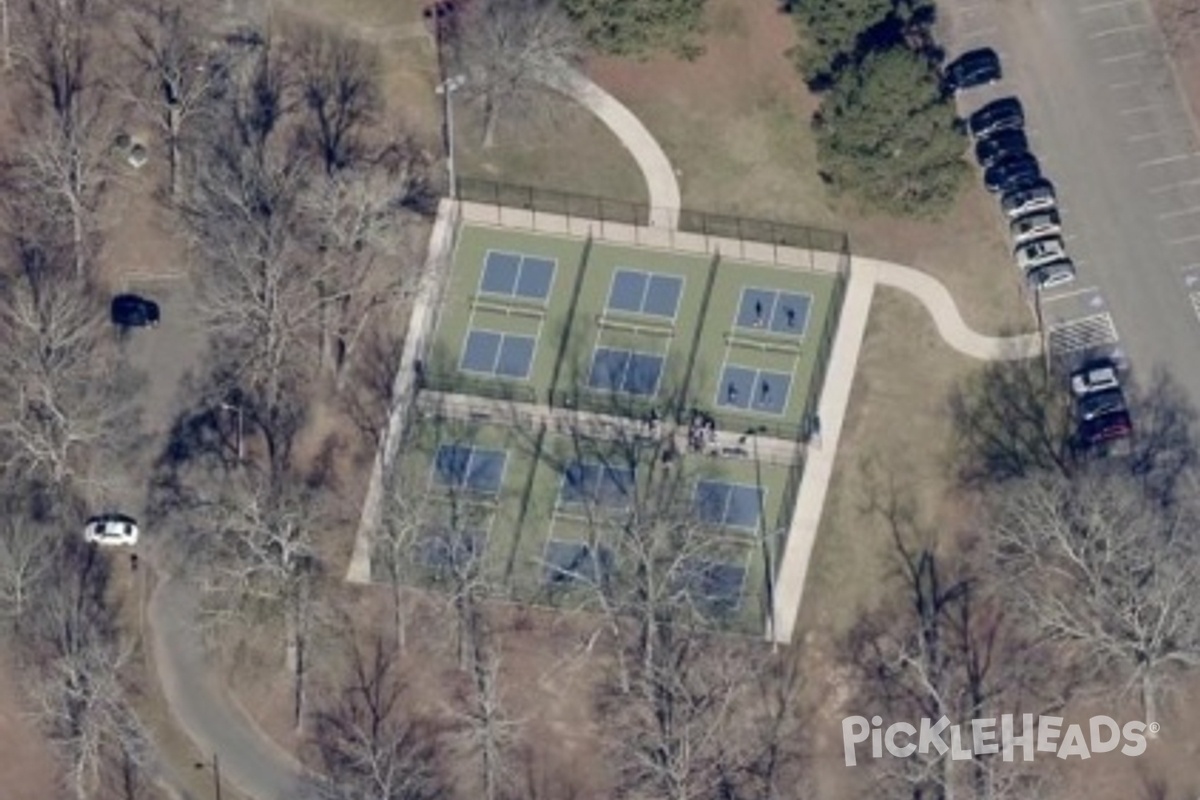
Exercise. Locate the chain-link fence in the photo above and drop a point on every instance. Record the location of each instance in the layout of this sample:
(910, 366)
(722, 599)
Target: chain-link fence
(619, 220)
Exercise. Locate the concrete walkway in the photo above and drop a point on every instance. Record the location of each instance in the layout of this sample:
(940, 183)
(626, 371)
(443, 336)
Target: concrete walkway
(865, 275)
(661, 183)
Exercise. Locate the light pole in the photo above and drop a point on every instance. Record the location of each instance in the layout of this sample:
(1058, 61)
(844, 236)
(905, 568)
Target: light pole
(447, 88)
(1041, 323)
(237, 409)
(216, 770)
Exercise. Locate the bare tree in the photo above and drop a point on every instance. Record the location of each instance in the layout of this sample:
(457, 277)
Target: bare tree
(77, 676)
(65, 400)
(367, 741)
(172, 76)
(947, 647)
(29, 560)
(340, 83)
(260, 563)
(366, 242)
(65, 141)
(488, 728)
(1108, 574)
(508, 50)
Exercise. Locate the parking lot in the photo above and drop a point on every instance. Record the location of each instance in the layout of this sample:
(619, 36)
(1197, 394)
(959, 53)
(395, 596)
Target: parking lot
(1110, 130)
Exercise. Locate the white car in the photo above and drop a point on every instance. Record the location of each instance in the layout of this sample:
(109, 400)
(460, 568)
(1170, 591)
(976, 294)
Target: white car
(1035, 225)
(1048, 276)
(1095, 376)
(1039, 252)
(111, 529)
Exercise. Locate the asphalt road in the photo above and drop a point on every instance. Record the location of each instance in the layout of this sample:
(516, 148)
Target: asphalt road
(1108, 123)
(247, 759)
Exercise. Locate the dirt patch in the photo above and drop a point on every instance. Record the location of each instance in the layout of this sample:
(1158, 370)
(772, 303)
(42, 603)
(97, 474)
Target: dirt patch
(27, 769)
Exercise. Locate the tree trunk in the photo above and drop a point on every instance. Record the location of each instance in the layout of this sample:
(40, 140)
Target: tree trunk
(173, 150)
(1149, 704)
(490, 115)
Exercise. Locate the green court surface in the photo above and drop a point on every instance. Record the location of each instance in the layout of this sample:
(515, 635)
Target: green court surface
(568, 323)
(521, 520)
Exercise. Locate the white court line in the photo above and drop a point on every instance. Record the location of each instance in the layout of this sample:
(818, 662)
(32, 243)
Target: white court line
(1140, 109)
(1123, 57)
(1157, 162)
(1069, 295)
(1123, 29)
(1169, 186)
(1184, 240)
(1183, 212)
(1088, 9)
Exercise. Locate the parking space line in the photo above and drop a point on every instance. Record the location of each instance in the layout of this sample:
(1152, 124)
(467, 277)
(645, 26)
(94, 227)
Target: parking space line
(1069, 295)
(1183, 240)
(1157, 162)
(1124, 85)
(1140, 109)
(1141, 137)
(1088, 9)
(1169, 186)
(1123, 29)
(1183, 212)
(1123, 57)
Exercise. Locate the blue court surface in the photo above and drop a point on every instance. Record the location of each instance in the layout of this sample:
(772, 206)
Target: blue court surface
(732, 505)
(753, 389)
(638, 292)
(515, 275)
(505, 355)
(475, 469)
(778, 312)
(625, 371)
(714, 584)
(571, 562)
(599, 484)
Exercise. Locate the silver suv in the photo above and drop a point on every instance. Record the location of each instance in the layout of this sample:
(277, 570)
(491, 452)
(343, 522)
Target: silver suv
(1037, 197)
(1035, 225)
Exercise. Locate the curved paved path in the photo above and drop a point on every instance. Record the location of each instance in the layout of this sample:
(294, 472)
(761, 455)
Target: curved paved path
(937, 300)
(249, 759)
(661, 184)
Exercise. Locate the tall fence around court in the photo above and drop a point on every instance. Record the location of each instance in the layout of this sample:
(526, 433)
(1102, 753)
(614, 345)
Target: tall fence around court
(740, 238)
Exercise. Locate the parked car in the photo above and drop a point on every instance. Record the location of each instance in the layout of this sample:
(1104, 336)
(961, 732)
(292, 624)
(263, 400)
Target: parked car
(1100, 403)
(1105, 429)
(1012, 173)
(974, 68)
(1000, 145)
(1038, 196)
(1097, 375)
(1003, 114)
(1048, 276)
(1035, 225)
(111, 529)
(1039, 252)
(134, 311)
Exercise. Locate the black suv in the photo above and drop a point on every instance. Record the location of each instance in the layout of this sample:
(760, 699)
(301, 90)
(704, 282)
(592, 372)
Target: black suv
(1003, 114)
(132, 311)
(975, 68)
(1000, 145)
(1013, 172)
